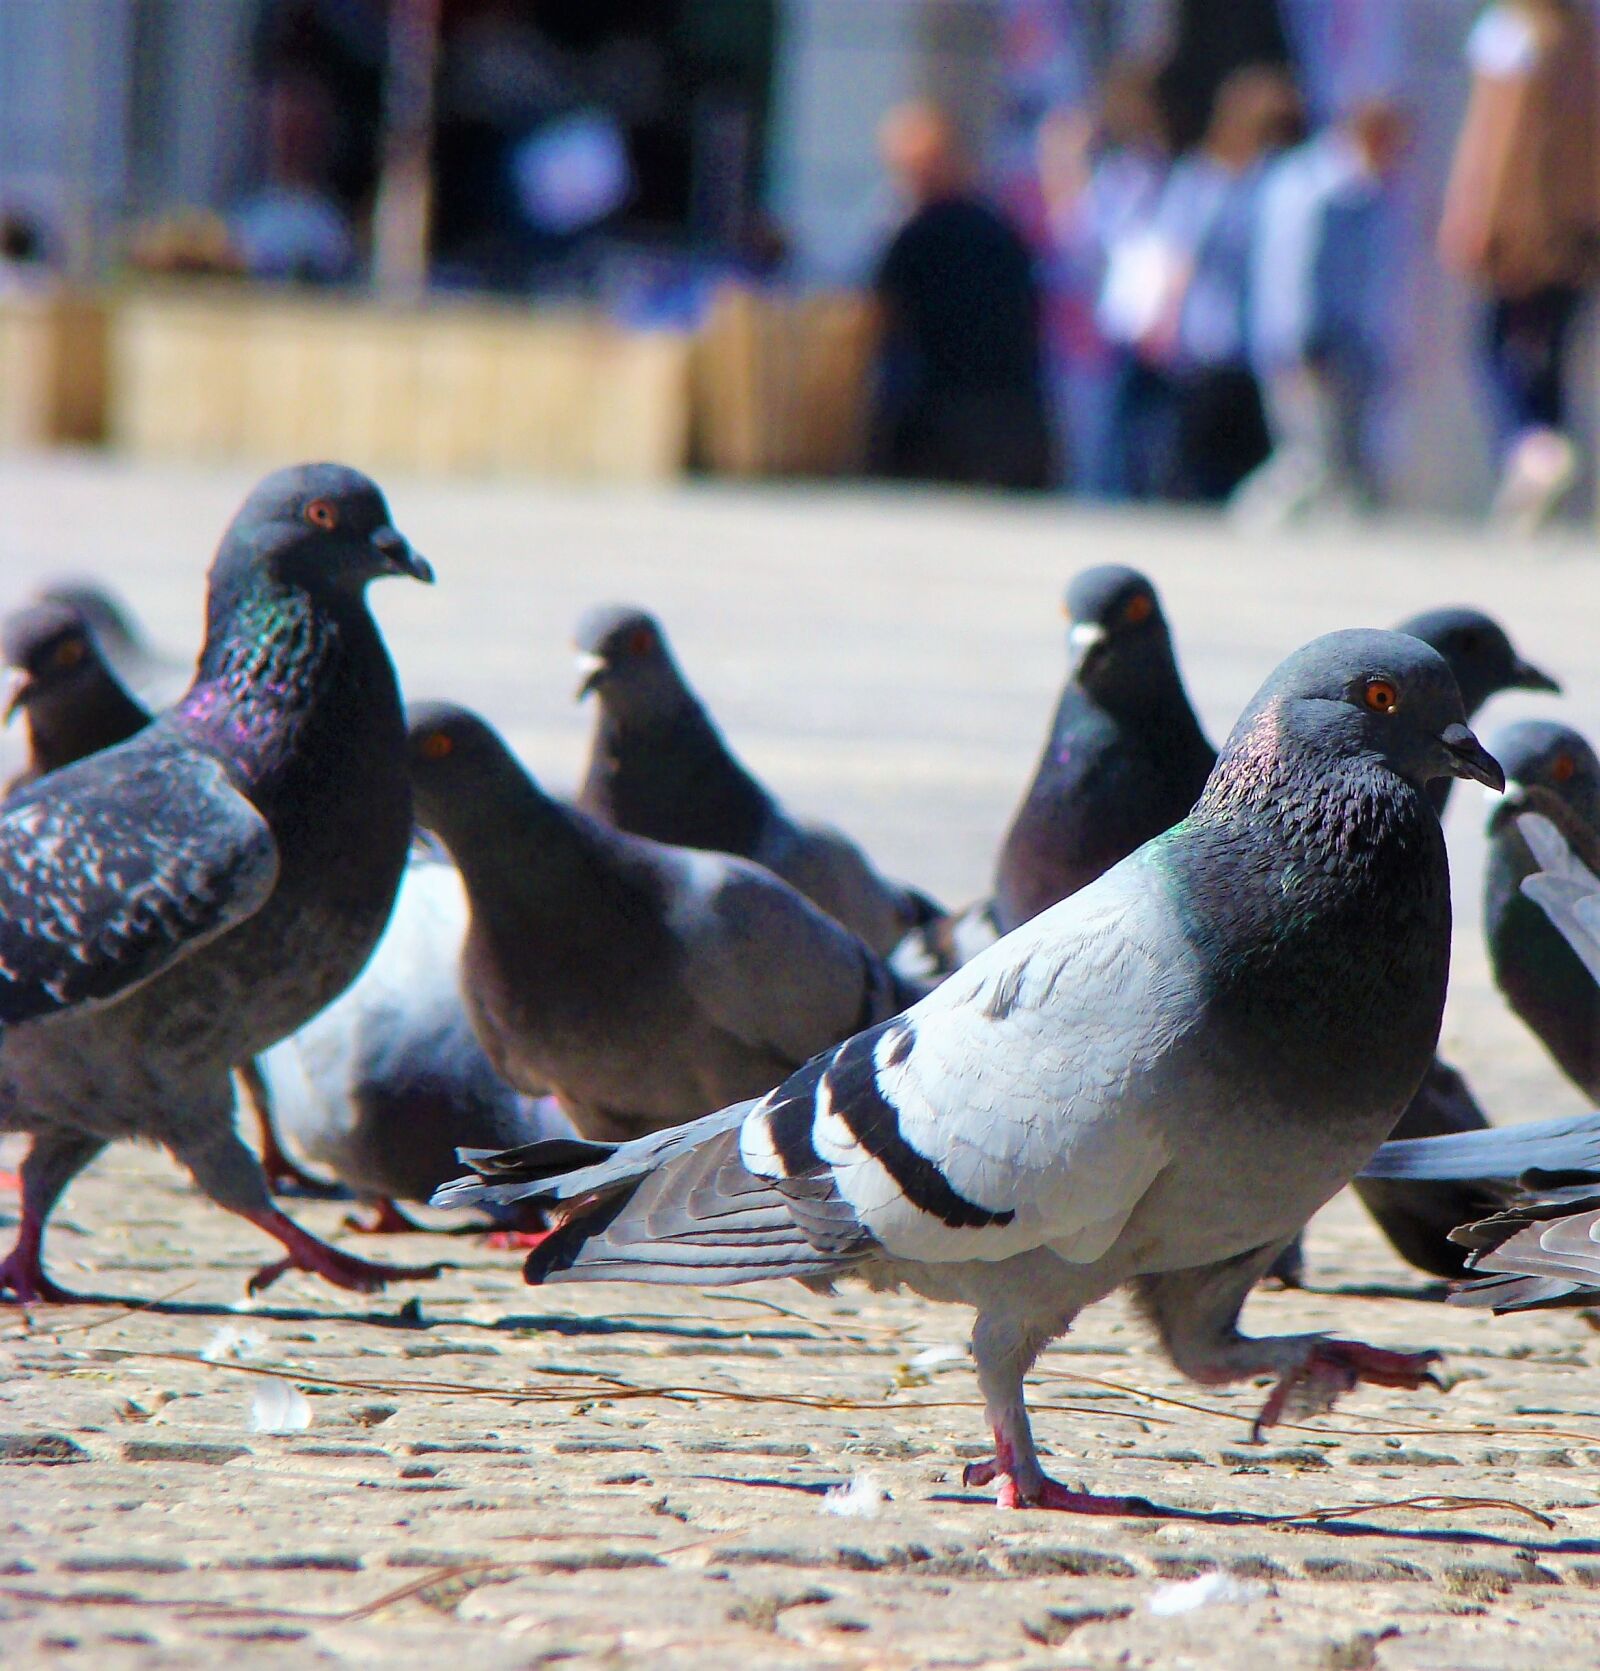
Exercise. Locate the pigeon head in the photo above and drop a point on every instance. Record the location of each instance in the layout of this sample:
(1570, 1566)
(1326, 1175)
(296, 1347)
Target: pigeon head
(1479, 653)
(1117, 637)
(624, 658)
(1548, 766)
(54, 654)
(1384, 700)
(100, 610)
(457, 762)
(324, 529)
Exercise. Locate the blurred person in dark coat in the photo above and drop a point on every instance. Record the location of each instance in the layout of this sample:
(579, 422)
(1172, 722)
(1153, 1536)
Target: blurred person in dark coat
(1522, 219)
(959, 394)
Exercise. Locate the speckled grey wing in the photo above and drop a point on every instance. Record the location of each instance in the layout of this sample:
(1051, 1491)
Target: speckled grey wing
(113, 869)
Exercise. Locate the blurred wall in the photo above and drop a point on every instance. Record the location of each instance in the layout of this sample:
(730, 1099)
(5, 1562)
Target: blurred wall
(115, 106)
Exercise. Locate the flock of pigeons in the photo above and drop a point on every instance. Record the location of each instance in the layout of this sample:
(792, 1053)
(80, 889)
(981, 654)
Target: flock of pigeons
(679, 1035)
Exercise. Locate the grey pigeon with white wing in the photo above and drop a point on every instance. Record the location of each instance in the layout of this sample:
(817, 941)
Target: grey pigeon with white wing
(1153, 1083)
(645, 984)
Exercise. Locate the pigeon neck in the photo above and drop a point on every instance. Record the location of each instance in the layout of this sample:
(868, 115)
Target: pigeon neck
(60, 732)
(275, 664)
(667, 773)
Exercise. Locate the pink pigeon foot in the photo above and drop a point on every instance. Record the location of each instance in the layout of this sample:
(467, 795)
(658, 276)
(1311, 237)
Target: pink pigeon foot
(22, 1273)
(342, 1269)
(388, 1219)
(1028, 1488)
(1331, 1368)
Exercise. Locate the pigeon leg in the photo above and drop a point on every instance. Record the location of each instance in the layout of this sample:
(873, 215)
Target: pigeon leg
(307, 1253)
(388, 1218)
(226, 1170)
(1196, 1313)
(1331, 1368)
(1289, 1268)
(283, 1172)
(54, 1160)
(1004, 1353)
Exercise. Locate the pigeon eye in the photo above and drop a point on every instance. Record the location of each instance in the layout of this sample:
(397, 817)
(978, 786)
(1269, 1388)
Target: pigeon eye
(1141, 606)
(320, 513)
(69, 653)
(436, 745)
(1381, 696)
(641, 641)
(1563, 768)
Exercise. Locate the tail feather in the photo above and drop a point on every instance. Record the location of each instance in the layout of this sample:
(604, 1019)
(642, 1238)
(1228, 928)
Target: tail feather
(1569, 1146)
(677, 1206)
(1538, 1252)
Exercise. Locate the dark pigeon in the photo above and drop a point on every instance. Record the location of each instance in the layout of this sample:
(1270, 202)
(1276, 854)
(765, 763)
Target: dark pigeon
(645, 984)
(1482, 658)
(153, 676)
(1553, 770)
(1125, 758)
(71, 701)
(660, 768)
(390, 1080)
(1155, 1082)
(180, 902)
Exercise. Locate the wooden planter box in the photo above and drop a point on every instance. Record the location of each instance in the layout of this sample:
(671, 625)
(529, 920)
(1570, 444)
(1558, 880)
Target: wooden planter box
(781, 383)
(201, 372)
(52, 368)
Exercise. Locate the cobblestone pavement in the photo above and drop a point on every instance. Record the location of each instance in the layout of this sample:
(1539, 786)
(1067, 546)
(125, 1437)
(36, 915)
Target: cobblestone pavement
(625, 1476)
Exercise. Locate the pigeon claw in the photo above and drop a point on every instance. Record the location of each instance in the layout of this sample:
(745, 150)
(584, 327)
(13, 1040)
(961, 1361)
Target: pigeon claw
(1332, 1368)
(388, 1218)
(1051, 1494)
(22, 1277)
(343, 1270)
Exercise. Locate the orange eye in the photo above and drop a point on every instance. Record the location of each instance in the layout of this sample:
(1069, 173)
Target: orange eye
(1381, 696)
(1141, 606)
(436, 745)
(69, 653)
(641, 641)
(1563, 768)
(320, 513)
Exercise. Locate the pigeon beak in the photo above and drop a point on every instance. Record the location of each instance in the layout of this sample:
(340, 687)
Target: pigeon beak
(1525, 676)
(1468, 757)
(394, 549)
(21, 695)
(1084, 643)
(591, 670)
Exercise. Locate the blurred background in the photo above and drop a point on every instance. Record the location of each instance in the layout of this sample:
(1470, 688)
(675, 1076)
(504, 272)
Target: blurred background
(1298, 258)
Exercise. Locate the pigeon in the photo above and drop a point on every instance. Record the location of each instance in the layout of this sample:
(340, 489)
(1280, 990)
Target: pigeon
(154, 677)
(1153, 1083)
(75, 706)
(1542, 1246)
(660, 768)
(1125, 759)
(71, 700)
(176, 904)
(1417, 1219)
(1483, 660)
(386, 1083)
(646, 984)
(1553, 769)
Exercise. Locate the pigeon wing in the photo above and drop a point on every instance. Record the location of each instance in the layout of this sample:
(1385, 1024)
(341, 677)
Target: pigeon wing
(1015, 1107)
(113, 869)
(1564, 887)
(767, 967)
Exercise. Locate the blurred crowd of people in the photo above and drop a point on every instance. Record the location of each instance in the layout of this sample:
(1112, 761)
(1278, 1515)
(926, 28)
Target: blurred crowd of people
(1217, 325)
